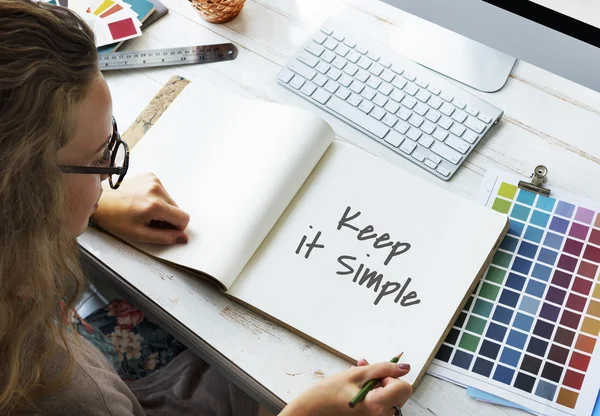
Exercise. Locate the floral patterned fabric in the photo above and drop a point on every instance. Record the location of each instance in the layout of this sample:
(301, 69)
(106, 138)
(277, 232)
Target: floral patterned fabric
(134, 345)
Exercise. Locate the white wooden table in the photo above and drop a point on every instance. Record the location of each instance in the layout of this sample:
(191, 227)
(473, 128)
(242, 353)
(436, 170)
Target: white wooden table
(548, 120)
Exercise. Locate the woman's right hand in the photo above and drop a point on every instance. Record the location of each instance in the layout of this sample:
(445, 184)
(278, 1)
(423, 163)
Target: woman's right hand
(331, 396)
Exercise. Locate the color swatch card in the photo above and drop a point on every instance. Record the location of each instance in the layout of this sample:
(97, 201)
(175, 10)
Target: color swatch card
(529, 332)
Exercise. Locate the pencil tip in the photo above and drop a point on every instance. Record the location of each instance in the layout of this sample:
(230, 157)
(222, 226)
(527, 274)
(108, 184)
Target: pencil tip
(399, 355)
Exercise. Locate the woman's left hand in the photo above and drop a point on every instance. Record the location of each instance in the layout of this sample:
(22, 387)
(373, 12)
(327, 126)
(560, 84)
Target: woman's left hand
(142, 211)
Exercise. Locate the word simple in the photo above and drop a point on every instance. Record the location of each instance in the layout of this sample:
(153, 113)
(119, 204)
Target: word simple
(367, 233)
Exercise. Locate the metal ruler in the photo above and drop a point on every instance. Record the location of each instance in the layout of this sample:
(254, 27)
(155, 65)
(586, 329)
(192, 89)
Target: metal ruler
(203, 54)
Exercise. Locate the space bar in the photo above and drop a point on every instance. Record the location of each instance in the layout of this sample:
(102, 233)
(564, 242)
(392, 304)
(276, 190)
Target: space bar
(358, 117)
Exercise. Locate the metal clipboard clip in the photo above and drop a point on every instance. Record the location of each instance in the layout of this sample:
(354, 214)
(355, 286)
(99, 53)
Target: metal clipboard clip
(538, 177)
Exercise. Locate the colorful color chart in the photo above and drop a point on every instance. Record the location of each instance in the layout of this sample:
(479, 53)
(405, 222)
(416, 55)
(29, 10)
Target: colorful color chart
(528, 333)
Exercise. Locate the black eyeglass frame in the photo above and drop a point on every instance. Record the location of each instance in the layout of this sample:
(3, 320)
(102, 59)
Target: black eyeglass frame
(113, 144)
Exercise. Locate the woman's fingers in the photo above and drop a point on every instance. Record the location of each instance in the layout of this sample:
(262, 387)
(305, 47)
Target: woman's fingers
(393, 392)
(380, 371)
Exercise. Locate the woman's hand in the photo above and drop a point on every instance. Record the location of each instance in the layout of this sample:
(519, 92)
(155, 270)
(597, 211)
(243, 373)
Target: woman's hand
(142, 211)
(331, 396)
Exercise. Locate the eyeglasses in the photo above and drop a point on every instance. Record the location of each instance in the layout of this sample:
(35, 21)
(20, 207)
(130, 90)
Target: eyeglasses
(119, 161)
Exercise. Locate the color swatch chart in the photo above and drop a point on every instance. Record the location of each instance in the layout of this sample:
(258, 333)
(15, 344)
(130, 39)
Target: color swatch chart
(528, 333)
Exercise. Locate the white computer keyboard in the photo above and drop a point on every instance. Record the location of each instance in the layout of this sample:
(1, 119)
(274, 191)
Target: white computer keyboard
(421, 116)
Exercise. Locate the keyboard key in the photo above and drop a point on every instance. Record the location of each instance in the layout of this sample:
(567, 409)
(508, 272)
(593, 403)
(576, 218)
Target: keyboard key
(447, 97)
(320, 80)
(377, 113)
(457, 129)
(387, 75)
(418, 156)
(380, 99)
(373, 82)
(364, 63)
(331, 44)
(434, 158)
(301, 69)
(326, 30)
(434, 90)
(470, 136)
(447, 109)
(425, 141)
(404, 113)
(474, 124)
(416, 120)
(358, 117)
(334, 74)
(368, 93)
(343, 93)
(434, 102)
(354, 99)
(308, 59)
(459, 104)
(446, 152)
(409, 76)
(362, 75)
(357, 86)
(321, 96)
(408, 146)
(397, 95)
(353, 57)
(308, 88)
(345, 80)
(319, 37)
(385, 88)
(332, 86)
(366, 106)
(423, 95)
(459, 116)
(421, 109)
(409, 102)
(339, 62)
(472, 111)
(445, 122)
(389, 120)
(443, 171)
(385, 63)
(373, 56)
(429, 163)
(350, 43)
(399, 82)
(421, 83)
(376, 69)
(485, 118)
(428, 127)
(297, 82)
(360, 49)
(411, 89)
(314, 48)
(342, 50)
(397, 69)
(285, 75)
(433, 116)
(328, 56)
(394, 138)
(322, 67)
(457, 144)
(413, 134)
(401, 127)
(351, 69)
(338, 36)
(440, 134)
(392, 106)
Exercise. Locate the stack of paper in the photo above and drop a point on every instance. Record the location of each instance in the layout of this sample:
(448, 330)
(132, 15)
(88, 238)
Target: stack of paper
(112, 21)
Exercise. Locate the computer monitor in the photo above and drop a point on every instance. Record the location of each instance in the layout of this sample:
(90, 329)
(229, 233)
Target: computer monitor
(561, 36)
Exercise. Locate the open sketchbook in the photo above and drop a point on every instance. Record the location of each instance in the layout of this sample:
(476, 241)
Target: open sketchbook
(334, 243)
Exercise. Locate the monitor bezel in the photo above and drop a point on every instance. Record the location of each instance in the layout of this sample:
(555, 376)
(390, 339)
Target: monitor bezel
(551, 19)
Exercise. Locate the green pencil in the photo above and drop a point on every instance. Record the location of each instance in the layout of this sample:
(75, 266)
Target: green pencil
(369, 385)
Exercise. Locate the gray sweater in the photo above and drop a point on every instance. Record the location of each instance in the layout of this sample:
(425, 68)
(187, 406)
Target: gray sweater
(186, 386)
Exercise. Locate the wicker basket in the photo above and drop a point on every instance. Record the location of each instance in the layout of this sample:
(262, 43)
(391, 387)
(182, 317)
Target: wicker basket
(218, 11)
